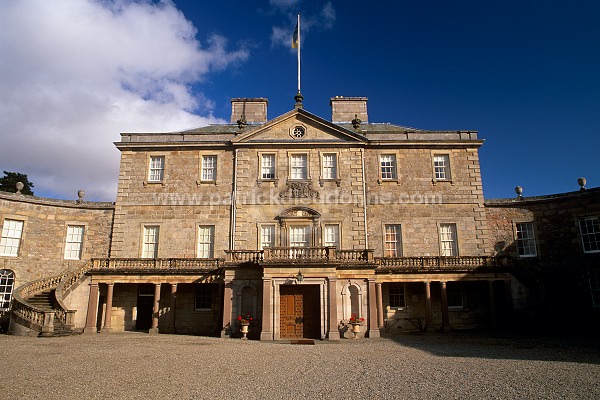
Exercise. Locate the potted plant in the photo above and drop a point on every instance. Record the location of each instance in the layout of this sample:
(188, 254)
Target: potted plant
(356, 322)
(244, 321)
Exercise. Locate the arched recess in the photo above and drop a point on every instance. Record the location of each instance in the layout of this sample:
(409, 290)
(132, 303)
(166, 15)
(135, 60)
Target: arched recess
(247, 298)
(353, 299)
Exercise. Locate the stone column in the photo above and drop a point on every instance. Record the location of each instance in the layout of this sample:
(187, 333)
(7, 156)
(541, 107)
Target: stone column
(173, 307)
(428, 311)
(445, 318)
(226, 329)
(266, 332)
(373, 328)
(380, 321)
(334, 332)
(92, 311)
(155, 309)
(492, 305)
(109, 302)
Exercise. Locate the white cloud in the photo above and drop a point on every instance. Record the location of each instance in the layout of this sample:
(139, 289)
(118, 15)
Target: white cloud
(321, 21)
(73, 74)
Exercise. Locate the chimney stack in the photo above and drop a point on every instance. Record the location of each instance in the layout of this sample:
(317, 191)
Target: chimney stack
(346, 109)
(254, 109)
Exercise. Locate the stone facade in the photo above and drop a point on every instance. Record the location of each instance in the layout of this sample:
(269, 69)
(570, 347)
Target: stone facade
(304, 224)
(45, 222)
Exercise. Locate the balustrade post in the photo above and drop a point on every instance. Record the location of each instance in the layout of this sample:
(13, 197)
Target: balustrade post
(70, 320)
(331, 253)
(48, 325)
(267, 253)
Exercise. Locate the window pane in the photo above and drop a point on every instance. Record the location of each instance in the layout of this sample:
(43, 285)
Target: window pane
(448, 240)
(525, 239)
(267, 236)
(150, 246)
(329, 166)
(396, 294)
(454, 294)
(299, 236)
(206, 241)
(74, 242)
(393, 241)
(209, 168)
(11, 237)
(388, 166)
(590, 234)
(7, 281)
(204, 296)
(157, 167)
(299, 166)
(332, 236)
(441, 164)
(268, 166)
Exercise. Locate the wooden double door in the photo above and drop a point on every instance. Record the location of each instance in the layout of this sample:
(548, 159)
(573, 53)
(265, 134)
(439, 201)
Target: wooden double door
(300, 312)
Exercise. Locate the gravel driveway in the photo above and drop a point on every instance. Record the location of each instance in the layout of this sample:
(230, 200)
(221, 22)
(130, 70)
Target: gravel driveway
(424, 366)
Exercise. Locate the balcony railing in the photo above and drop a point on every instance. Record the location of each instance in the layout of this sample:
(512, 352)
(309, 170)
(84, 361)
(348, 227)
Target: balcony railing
(432, 263)
(156, 264)
(294, 255)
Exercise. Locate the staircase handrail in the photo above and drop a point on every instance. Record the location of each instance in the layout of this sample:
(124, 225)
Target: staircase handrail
(34, 317)
(63, 288)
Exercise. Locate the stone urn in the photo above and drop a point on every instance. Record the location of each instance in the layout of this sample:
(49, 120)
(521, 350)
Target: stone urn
(245, 326)
(355, 330)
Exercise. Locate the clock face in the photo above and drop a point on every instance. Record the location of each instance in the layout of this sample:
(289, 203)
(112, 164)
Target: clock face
(298, 132)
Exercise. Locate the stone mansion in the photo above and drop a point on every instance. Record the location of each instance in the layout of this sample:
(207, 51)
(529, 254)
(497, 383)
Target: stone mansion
(305, 225)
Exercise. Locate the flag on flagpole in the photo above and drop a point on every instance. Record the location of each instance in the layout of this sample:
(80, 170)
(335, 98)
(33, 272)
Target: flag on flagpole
(295, 38)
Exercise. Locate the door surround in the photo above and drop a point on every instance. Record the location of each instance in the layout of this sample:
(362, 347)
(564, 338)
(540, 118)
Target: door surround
(323, 303)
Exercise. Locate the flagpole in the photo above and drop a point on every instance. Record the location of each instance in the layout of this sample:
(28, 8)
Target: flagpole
(299, 45)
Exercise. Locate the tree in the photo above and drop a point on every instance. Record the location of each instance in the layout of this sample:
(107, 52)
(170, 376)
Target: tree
(9, 181)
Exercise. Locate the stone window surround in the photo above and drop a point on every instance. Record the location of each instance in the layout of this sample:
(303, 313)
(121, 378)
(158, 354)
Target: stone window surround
(337, 178)
(259, 226)
(323, 231)
(149, 156)
(14, 217)
(259, 179)
(456, 231)
(143, 227)
(201, 156)
(396, 155)
(579, 219)
(515, 236)
(82, 249)
(400, 250)
(198, 225)
(397, 308)
(450, 178)
(291, 153)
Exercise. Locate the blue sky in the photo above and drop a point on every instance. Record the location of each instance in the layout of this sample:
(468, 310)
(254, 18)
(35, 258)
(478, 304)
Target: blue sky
(525, 74)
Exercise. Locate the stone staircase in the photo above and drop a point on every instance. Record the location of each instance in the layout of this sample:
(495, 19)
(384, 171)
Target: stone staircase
(45, 301)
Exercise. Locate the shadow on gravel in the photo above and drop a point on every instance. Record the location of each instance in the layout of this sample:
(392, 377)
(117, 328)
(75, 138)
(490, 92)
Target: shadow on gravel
(502, 346)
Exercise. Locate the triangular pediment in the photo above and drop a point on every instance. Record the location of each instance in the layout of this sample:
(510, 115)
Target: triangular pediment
(297, 127)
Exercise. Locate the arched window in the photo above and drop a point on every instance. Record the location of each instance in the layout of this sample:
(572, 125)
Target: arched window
(7, 281)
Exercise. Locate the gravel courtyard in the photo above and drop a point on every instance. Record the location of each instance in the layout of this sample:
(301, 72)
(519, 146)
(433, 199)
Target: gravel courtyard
(424, 366)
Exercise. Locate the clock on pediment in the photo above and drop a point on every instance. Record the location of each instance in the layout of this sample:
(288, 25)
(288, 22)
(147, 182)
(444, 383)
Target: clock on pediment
(298, 132)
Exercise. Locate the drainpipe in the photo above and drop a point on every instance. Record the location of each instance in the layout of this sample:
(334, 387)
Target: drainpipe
(362, 158)
(233, 202)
